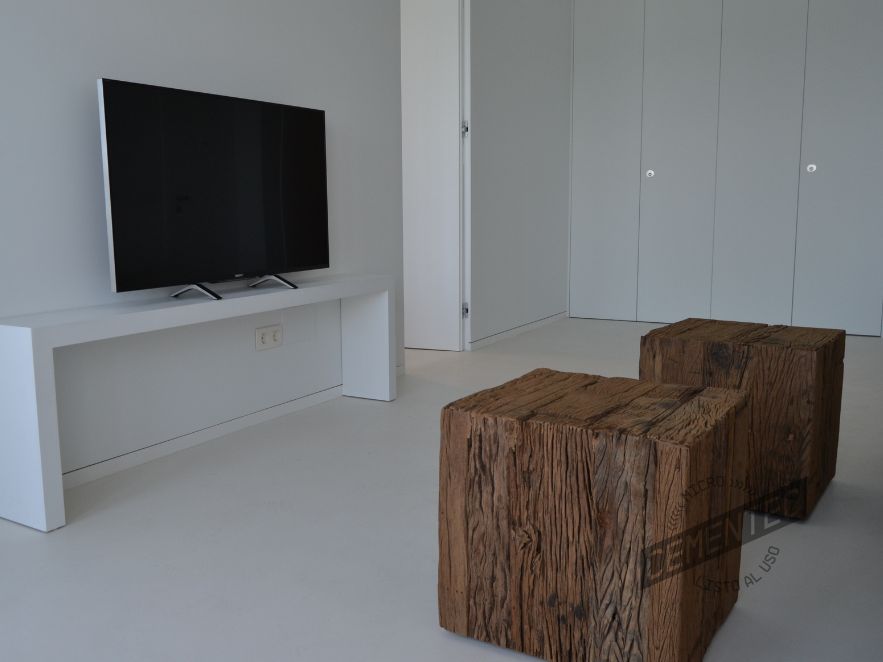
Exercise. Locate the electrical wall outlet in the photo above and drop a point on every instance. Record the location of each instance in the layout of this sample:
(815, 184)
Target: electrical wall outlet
(268, 337)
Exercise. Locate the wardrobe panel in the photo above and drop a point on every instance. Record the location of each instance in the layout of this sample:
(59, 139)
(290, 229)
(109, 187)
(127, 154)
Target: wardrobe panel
(839, 269)
(607, 81)
(681, 76)
(758, 159)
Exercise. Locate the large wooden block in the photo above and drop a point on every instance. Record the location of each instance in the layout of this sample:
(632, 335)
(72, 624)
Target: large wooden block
(565, 531)
(794, 377)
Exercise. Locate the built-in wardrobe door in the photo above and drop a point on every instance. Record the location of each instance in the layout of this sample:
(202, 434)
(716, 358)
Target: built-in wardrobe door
(681, 75)
(758, 168)
(839, 270)
(607, 78)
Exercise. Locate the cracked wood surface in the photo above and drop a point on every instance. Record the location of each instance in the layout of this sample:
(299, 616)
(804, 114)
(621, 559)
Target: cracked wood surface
(551, 488)
(794, 377)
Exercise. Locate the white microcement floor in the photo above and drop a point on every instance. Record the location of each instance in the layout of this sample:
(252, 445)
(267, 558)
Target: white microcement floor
(313, 536)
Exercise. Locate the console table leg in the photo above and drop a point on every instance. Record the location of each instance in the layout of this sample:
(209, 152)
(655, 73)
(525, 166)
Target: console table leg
(369, 346)
(31, 488)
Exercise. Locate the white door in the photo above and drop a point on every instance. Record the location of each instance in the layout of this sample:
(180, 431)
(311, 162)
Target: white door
(431, 178)
(520, 82)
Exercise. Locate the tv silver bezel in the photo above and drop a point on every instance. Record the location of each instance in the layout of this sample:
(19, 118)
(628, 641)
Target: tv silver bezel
(107, 206)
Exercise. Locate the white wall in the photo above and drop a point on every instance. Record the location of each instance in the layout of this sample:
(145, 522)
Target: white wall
(339, 55)
(431, 178)
(521, 61)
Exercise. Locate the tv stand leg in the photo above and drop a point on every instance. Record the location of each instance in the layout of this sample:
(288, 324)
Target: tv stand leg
(196, 287)
(274, 278)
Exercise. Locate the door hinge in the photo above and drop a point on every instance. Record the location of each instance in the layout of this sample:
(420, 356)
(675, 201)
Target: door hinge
(465, 311)
(464, 128)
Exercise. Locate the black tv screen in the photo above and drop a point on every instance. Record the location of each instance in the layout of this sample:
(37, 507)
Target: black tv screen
(207, 188)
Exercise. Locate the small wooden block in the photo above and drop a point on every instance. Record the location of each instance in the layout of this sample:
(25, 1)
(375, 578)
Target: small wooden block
(568, 528)
(794, 377)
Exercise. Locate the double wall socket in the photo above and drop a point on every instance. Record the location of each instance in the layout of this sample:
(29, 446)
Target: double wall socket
(268, 337)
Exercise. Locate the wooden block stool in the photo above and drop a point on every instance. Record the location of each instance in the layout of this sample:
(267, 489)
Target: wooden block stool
(794, 377)
(563, 527)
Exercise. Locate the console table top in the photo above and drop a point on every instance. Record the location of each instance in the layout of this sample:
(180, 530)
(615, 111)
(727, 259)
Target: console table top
(130, 316)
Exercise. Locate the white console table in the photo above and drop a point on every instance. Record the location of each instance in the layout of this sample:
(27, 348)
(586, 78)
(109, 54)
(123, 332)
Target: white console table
(31, 485)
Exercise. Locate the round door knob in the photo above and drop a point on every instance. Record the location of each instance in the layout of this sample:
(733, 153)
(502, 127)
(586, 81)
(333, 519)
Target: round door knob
(651, 173)
(811, 168)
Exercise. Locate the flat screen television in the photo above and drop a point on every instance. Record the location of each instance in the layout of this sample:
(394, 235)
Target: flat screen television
(207, 188)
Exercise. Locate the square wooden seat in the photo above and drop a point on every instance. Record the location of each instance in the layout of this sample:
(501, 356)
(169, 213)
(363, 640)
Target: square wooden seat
(565, 528)
(794, 377)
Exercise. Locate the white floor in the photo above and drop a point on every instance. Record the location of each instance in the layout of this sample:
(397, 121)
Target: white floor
(313, 537)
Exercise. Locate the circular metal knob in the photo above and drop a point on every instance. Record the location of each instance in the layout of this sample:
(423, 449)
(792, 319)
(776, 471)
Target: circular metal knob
(651, 173)
(811, 168)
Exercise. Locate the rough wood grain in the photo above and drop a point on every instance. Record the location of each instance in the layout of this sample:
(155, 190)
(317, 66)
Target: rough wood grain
(554, 486)
(794, 377)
